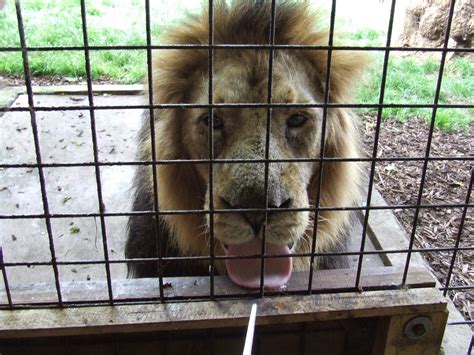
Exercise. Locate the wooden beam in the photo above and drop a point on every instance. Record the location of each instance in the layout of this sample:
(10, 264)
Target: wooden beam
(392, 338)
(215, 314)
(198, 287)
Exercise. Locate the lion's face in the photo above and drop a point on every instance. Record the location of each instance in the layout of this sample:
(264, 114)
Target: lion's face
(180, 76)
(241, 133)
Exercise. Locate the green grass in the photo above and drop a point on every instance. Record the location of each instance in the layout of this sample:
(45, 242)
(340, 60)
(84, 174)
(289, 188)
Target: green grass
(411, 82)
(58, 23)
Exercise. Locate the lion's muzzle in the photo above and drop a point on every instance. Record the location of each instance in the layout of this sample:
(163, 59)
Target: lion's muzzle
(255, 199)
(255, 186)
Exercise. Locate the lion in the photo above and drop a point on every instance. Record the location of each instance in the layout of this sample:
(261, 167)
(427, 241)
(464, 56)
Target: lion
(240, 133)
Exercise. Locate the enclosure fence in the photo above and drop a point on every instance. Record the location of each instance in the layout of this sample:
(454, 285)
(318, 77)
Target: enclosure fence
(160, 293)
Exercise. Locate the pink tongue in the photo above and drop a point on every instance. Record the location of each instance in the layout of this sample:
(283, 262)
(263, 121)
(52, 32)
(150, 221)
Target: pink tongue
(246, 272)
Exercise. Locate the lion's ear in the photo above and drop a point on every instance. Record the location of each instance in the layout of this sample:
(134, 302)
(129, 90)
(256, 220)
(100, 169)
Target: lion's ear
(346, 70)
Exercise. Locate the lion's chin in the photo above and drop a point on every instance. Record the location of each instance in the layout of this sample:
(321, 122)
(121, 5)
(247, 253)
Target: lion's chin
(247, 272)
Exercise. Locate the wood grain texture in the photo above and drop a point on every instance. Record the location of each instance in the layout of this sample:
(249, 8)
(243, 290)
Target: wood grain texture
(199, 287)
(216, 314)
(391, 339)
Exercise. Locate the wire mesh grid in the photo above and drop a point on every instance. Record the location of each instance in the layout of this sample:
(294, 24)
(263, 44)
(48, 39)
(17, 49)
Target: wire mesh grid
(154, 108)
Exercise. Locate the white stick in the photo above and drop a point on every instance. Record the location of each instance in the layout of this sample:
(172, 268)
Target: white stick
(250, 331)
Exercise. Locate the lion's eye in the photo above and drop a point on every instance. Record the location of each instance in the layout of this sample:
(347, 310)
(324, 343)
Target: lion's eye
(218, 123)
(296, 120)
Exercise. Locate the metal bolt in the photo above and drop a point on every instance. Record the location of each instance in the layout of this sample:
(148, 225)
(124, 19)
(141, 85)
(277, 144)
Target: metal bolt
(418, 327)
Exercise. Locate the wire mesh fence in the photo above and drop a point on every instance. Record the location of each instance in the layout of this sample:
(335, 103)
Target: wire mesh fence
(213, 161)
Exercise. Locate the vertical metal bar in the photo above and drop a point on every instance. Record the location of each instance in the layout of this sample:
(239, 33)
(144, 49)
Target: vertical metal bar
(211, 146)
(156, 207)
(376, 143)
(430, 136)
(34, 128)
(458, 237)
(323, 145)
(267, 138)
(5, 279)
(94, 147)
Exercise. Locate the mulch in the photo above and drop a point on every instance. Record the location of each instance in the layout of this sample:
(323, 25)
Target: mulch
(446, 183)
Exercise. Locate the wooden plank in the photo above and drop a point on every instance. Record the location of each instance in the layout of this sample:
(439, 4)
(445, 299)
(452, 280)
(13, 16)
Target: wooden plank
(216, 314)
(199, 287)
(329, 338)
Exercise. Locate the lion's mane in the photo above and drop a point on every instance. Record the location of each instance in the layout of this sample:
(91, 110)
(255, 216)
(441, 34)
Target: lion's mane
(180, 187)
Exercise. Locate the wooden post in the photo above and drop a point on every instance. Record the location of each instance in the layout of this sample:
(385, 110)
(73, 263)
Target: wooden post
(410, 334)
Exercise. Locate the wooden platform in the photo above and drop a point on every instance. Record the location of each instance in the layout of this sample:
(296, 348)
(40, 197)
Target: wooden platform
(379, 316)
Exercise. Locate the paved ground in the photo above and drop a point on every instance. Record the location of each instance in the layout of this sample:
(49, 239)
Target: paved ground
(66, 137)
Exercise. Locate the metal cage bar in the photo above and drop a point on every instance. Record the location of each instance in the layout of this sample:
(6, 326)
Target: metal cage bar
(376, 141)
(204, 211)
(323, 146)
(208, 258)
(236, 105)
(156, 206)
(236, 47)
(90, 96)
(430, 137)
(271, 40)
(34, 127)
(210, 71)
(6, 284)
(458, 238)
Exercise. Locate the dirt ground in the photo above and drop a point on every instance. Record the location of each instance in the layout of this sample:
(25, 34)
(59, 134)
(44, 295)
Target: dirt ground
(447, 182)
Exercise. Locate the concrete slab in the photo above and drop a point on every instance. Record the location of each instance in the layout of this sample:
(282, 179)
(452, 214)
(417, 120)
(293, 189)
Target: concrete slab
(65, 137)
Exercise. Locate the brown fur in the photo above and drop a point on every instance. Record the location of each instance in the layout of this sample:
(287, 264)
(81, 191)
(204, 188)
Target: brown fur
(180, 76)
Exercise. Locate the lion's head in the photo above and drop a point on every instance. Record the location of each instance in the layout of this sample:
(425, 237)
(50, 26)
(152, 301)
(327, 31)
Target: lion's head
(241, 133)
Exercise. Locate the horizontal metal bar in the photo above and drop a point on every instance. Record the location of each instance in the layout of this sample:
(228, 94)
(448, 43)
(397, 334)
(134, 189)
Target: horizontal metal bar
(223, 211)
(207, 258)
(455, 288)
(265, 47)
(184, 106)
(467, 322)
(234, 161)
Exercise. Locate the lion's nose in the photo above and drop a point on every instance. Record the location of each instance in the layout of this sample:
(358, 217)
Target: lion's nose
(256, 219)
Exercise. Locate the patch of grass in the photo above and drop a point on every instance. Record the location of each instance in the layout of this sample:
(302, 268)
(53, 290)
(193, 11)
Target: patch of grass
(414, 82)
(453, 119)
(363, 37)
(58, 23)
